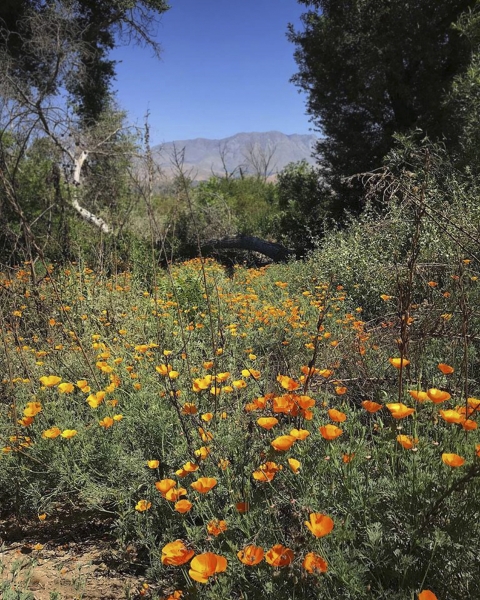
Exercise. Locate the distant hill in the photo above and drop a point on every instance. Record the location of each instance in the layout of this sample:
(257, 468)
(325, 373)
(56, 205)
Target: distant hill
(248, 152)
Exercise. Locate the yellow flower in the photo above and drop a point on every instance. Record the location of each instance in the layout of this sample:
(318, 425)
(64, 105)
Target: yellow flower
(68, 433)
(142, 505)
(153, 464)
(51, 433)
(66, 388)
(50, 380)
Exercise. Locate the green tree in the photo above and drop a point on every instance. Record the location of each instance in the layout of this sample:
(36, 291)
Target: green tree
(372, 68)
(95, 25)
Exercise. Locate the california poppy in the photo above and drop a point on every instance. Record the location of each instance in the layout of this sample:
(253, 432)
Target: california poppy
(399, 363)
(313, 562)
(453, 460)
(143, 505)
(205, 565)
(399, 410)
(337, 415)
(176, 553)
(427, 595)
(216, 527)
(204, 484)
(320, 525)
(267, 422)
(251, 555)
(279, 556)
(445, 369)
(183, 506)
(283, 443)
(437, 396)
(370, 406)
(330, 432)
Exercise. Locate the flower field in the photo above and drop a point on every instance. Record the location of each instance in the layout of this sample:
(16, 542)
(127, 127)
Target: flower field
(255, 436)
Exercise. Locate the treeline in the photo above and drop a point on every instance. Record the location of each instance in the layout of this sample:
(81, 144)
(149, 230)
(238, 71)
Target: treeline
(77, 182)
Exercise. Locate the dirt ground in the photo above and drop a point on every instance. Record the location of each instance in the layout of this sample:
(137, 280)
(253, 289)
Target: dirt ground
(68, 560)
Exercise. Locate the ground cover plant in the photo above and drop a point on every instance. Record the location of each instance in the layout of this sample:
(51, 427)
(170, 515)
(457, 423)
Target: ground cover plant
(262, 434)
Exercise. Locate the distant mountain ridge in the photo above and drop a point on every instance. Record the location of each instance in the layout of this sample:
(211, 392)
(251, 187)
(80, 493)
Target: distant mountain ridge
(246, 152)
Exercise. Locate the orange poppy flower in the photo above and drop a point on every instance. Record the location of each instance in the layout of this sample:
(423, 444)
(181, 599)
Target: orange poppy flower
(267, 471)
(346, 458)
(106, 422)
(445, 369)
(51, 433)
(283, 443)
(399, 363)
(370, 406)
(418, 395)
(216, 527)
(340, 390)
(174, 494)
(294, 465)
(32, 409)
(437, 396)
(205, 565)
(473, 403)
(313, 562)
(143, 505)
(330, 432)
(176, 553)
(242, 507)
(267, 422)
(399, 410)
(299, 434)
(50, 380)
(427, 595)
(469, 425)
(204, 484)
(287, 383)
(251, 555)
(164, 485)
(183, 506)
(279, 556)
(406, 441)
(153, 464)
(453, 460)
(452, 416)
(319, 524)
(337, 415)
(477, 450)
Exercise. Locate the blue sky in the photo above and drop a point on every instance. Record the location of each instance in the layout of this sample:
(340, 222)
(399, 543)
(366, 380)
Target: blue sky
(225, 68)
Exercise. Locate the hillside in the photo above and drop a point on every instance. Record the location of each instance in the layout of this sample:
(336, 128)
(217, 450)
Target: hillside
(244, 151)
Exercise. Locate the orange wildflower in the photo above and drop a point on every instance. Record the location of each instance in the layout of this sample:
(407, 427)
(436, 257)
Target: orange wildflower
(251, 555)
(267, 471)
(313, 562)
(371, 406)
(164, 485)
(337, 415)
(399, 363)
(176, 553)
(406, 441)
(288, 383)
(399, 410)
(204, 484)
(283, 443)
(51, 433)
(242, 507)
(267, 422)
(452, 416)
(453, 460)
(205, 565)
(437, 396)
(320, 525)
(50, 380)
(427, 595)
(216, 527)
(330, 432)
(419, 396)
(143, 505)
(183, 506)
(279, 556)
(294, 465)
(299, 434)
(445, 369)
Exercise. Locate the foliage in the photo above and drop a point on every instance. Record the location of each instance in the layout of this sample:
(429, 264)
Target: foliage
(375, 68)
(305, 203)
(342, 390)
(95, 26)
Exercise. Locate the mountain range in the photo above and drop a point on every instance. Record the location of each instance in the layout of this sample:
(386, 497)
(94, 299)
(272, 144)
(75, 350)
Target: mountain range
(243, 153)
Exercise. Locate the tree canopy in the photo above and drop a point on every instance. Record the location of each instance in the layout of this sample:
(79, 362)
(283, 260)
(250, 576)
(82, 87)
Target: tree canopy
(372, 68)
(95, 25)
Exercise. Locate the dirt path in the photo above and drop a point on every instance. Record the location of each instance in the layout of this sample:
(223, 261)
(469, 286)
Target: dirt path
(67, 560)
